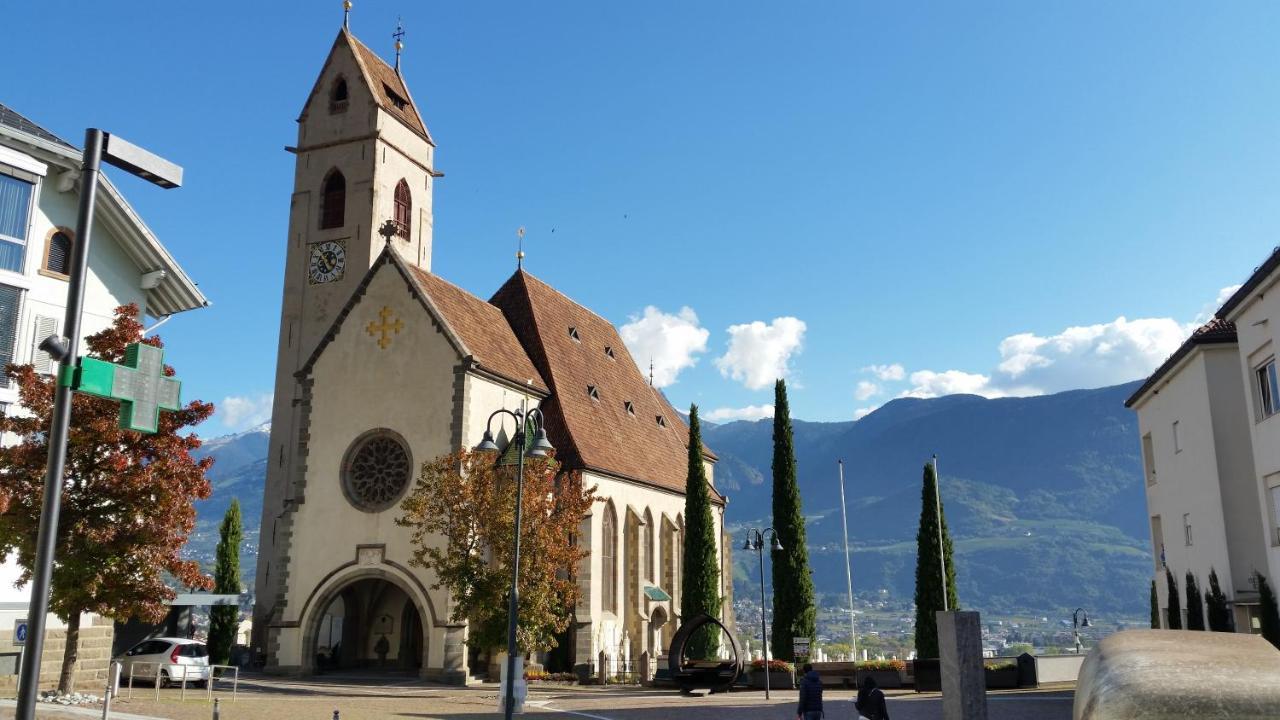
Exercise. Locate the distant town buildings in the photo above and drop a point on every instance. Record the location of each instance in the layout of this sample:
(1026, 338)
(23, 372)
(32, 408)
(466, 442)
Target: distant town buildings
(1211, 451)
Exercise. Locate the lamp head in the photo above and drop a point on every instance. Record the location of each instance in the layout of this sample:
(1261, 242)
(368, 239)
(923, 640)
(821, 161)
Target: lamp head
(486, 443)
(748, 545)
(1086, 620)
(541, 446)
(774, 543)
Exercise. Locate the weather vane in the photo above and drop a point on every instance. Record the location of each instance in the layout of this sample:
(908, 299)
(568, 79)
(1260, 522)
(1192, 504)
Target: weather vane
(520, 247)
(399, 36)
(346, 12)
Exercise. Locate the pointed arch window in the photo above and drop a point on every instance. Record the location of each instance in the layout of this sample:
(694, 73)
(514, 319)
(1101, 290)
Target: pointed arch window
(404, 209)
(609, 560)
(57, 254)
(333, 201)
(338, 97)
(647, 548)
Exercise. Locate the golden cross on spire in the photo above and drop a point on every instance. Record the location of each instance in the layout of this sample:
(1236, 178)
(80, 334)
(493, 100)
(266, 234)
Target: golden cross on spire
(399, 36)
(384, 328)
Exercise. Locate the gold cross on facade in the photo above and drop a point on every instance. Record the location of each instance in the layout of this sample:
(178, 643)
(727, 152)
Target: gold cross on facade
(384, 330)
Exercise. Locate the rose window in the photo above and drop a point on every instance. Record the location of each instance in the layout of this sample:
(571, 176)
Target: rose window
(376, 472)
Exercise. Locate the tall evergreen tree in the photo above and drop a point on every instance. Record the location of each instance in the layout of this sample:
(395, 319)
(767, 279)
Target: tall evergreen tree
(224, 620)
(1175, 606)
(795, 614)
(1216, 603)
(928, 568)
(1270, 613)
(700, 576)
(1155, 607)
(1195, 604)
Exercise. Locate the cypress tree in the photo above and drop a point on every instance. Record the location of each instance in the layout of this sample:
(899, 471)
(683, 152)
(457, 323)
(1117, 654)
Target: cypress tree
(1155, 607)
(795, 614)
(1175, 607)
(1270, 613)
(928, 571)
(1216, 603)
(700, 570)
(224, 620)
(1195, 604)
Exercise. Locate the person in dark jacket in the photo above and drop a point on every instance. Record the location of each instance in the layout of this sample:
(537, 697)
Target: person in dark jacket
(870, 703)
(810, 695)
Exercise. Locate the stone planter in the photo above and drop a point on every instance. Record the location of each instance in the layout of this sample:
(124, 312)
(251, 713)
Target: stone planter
(883, 678)
(928, 675)
(778, 680)
(1002, 679)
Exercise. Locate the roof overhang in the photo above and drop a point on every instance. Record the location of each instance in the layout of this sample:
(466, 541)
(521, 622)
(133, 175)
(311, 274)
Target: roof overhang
(1261, 281)
(177, 292)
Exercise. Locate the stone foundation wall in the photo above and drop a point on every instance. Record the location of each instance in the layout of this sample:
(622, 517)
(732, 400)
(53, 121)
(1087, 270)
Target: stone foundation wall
(91, 666)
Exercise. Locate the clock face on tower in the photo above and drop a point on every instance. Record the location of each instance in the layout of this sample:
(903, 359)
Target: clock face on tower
(327, 261)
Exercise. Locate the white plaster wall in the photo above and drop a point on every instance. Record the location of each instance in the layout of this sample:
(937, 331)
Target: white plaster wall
(1186, 481)
(1258, 329)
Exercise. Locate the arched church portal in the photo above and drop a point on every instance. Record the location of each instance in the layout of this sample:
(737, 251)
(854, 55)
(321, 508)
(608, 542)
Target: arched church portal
(368, 624)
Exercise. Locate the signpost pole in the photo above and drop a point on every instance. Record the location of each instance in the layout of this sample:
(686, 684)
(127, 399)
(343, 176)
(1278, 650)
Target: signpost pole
(46, 537)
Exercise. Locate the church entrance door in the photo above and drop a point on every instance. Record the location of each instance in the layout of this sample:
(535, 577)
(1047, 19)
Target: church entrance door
(370, 625)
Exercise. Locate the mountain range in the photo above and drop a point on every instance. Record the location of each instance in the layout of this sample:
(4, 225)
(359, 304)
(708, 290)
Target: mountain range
(1043, 497)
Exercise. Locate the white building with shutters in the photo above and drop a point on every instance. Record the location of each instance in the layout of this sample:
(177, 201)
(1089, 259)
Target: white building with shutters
(39, 197)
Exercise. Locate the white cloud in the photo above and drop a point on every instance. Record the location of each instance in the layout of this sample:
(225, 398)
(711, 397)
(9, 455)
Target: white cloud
(866, 389)
(670, 341)
(750, 412)
(864, 411)
(759, 354)
(238, 412)
(929, 384)
(887, 372)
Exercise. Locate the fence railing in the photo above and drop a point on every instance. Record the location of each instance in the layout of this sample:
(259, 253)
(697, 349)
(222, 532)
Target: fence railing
(159, 673)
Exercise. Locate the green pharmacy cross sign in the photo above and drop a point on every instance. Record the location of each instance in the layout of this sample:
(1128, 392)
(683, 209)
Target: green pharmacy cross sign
(139, 384)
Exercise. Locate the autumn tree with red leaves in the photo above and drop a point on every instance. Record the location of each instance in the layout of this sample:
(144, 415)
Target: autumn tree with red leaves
(468, 499)
(126, 497)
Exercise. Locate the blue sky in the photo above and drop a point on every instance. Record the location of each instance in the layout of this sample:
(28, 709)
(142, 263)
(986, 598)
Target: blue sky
(938, 187)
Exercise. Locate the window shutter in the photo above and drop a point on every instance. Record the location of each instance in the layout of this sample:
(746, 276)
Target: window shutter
(10, 298)
(44, 327)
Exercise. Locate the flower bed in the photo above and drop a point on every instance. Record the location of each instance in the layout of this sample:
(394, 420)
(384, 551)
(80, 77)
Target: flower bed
(782, 674)
(542, 676)
(1001, 674)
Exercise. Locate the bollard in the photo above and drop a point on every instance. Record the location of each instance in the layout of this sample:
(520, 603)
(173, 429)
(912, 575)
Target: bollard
(113, 681)
(215, 709)
(335, 715)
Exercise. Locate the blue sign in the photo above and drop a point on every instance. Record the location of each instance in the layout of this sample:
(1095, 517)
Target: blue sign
(20, 632)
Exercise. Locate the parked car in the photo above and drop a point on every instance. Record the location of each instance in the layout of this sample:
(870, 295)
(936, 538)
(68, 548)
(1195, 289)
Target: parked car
(176, 659)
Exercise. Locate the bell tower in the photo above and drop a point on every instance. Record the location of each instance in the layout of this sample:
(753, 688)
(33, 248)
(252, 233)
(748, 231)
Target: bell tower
(363, 163)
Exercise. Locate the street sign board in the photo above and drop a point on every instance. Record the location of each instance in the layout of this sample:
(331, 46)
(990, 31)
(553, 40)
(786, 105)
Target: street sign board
(20, 632)
(800, 647)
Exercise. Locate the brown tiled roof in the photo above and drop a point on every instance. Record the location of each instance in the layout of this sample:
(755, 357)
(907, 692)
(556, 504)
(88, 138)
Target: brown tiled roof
(386, 84)
(480, 327)
(1260, 274)
(1216, 331)
(589, 433)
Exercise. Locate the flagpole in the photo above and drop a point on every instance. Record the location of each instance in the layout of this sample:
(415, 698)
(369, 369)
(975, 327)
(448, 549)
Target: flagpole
(848, 569)
(942, 550)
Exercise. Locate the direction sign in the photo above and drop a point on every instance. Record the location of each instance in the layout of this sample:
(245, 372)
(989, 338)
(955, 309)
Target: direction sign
(800, 647)
(20, 632)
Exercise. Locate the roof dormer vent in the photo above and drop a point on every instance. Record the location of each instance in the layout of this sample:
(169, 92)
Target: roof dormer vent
(593, 392)
(573, 333)
(662, 422)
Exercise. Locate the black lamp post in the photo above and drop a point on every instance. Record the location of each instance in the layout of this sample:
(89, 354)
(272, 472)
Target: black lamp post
(99, 146)
(1076, 624)
(755, 541)
(541, 446)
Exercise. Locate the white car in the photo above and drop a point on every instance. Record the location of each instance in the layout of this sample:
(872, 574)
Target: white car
(176, 659)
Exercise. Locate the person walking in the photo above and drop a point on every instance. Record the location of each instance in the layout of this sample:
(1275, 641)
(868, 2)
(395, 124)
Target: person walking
(810, 695)
(870, 703)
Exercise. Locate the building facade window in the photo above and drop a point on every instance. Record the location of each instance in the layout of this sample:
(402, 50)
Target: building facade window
(404, 209)
(650, 569)
(609, 561)
(1273, 497)
(10, 302)
(57, 253)
(333, 201)
(338, 98)
(1186, 528)
(1268, 389)
(1177, 439)
(1149, 458)
(15, 215)
(1157, 542)
(376, 470)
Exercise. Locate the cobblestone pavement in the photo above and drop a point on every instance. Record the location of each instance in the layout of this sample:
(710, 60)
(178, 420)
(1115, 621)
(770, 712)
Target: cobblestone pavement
(363, 699)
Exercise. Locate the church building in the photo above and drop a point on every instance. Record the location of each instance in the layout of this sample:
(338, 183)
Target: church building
(384, 365)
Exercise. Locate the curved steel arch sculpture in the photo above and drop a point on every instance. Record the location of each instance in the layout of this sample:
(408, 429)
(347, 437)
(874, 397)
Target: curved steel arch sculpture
(713, 675)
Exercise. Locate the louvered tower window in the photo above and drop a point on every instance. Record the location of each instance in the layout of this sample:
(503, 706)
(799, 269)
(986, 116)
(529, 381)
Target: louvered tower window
(58, 259)
(404, 209)
(333, 202)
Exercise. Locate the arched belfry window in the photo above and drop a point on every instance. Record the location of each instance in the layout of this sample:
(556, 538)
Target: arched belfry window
(404, 209)
(609, 560)
(333, 202)
(338, 95)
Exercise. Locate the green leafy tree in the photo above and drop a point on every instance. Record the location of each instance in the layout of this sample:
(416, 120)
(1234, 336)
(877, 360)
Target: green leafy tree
(1175, 607)
(700, 570)
(1195, 605)
(1155, 607)
(929, 590)
(1216, 603)
(224, 620)
(1270, 613)
(795, 613)
(127, 497)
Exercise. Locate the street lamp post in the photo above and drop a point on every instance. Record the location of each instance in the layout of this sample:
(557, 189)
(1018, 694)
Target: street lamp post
(755, 541)
(1076, 624)
(98, 146)
(848, 573)
(541, 446)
